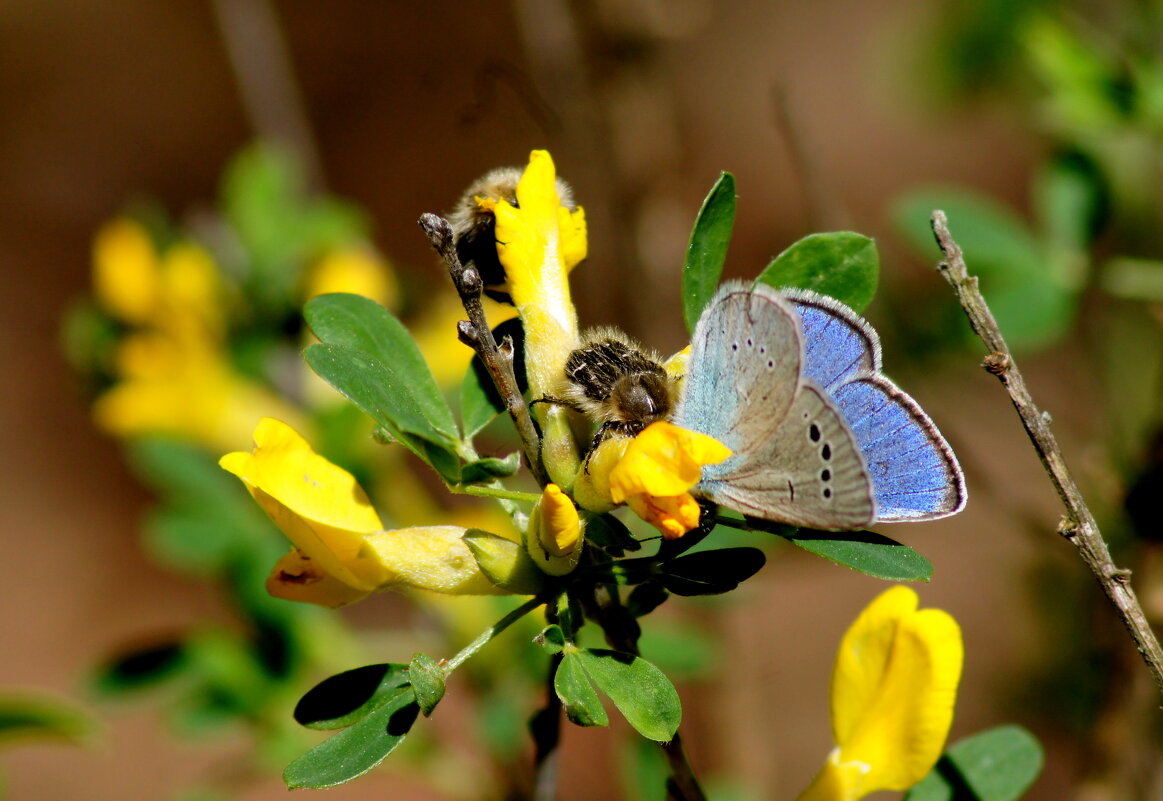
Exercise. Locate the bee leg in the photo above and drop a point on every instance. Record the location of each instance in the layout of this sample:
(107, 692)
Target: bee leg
(604, 430)
(557, 402)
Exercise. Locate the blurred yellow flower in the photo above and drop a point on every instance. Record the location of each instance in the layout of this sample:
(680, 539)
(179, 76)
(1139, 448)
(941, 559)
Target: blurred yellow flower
(182, 388)
(657, 470)
(355, 269)
(893, 690)
(177, 291)
(337, 534)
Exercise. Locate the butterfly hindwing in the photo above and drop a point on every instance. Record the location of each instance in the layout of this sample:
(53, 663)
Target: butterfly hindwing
(808, 473)
(915, 475)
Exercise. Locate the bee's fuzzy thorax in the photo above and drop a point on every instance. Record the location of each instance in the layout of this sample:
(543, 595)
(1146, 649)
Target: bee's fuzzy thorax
(616, 382)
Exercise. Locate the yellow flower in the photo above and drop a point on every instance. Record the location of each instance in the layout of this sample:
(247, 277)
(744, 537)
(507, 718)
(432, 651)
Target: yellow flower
(337, 534)
(539, 241)
(178, 291)
(653, 474)
(354, 269)
(125, 271)
(182, 387)
(554, 537)
(893, 690)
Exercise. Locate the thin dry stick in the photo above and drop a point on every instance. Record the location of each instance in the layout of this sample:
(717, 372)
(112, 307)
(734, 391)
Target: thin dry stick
(475, 332)
(266, 79)
(1078, 524)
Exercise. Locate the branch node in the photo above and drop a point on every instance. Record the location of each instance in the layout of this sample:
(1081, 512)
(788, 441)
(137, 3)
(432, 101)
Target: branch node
(1121, 575)
(997, 363)
(467, 333)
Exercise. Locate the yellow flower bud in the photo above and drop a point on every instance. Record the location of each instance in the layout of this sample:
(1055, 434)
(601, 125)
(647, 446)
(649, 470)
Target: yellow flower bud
(554, 537)
(125, 271)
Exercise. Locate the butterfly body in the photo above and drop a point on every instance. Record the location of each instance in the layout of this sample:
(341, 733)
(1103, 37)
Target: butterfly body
(791, 382)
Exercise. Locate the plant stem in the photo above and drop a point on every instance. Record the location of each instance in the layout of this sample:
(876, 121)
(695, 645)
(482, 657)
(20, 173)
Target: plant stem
(1078, 524)
(682, 784)
(475, 333)
(487, 635)
(545, 726)
(485, 491)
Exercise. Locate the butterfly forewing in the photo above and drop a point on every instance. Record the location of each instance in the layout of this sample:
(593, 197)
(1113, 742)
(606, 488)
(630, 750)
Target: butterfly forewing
(794, 459)
(743, 368)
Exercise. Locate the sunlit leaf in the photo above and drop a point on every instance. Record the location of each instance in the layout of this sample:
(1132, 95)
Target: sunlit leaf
(361, 324)
(866, 552)
(357, 749)
(843, 265)
(578, 697)
(640, 691)
(707, 250)
(344, 698)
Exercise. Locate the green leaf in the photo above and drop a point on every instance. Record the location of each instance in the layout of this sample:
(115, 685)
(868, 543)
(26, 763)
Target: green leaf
(707, 250)
(34, 715)
(361, 324)
(996, 765)
(427, 680)
(552, 639)
(710, 572)
(358, 749)
(642, 692)
(1034, 301)
(479, 400)
(375, 390)
(578, 698)
(347, 697)
(843, 265)
(866, 552)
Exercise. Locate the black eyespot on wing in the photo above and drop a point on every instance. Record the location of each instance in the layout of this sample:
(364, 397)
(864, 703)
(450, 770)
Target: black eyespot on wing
(814, 432)
(826, 452)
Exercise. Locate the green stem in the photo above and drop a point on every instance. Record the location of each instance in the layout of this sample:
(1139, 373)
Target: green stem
(483, 640)
(482, 491)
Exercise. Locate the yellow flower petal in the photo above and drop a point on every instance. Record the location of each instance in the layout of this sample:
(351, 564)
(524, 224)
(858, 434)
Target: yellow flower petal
(893, 690)
(318, 505)
(664, 460)
(125, 271)
(592, 488)
(538, 242)
(297, 578)
(560, 524)
(672, 515)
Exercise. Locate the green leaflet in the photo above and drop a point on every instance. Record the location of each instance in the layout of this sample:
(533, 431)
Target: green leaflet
(707, 250)
(995, 765)
(843, 265)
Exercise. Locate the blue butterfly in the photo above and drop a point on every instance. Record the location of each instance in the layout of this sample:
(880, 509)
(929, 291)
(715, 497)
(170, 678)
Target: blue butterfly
(790, 381)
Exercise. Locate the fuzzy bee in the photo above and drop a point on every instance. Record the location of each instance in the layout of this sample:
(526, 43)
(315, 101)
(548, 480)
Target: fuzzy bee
(474, 228)
(614, 381)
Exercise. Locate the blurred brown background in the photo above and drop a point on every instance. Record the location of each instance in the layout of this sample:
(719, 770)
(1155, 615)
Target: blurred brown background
(642, 104)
